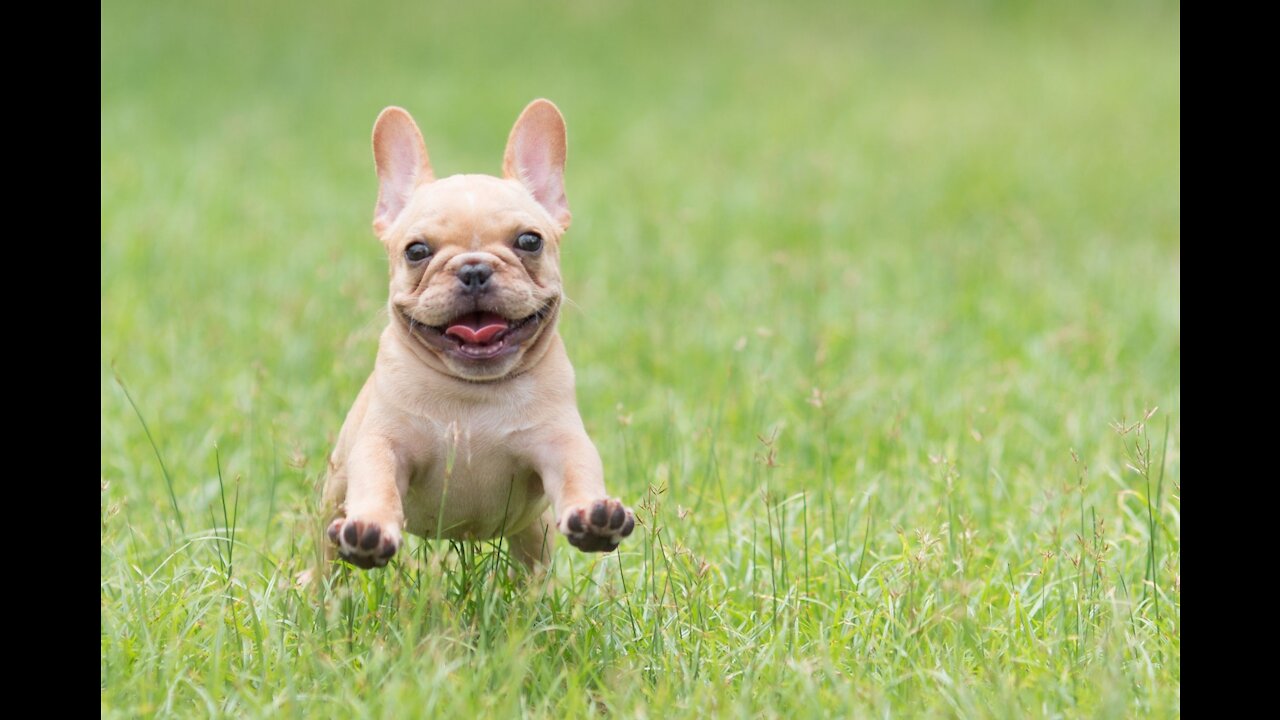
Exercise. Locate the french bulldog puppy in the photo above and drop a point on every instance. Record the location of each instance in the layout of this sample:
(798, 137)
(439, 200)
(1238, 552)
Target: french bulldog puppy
(468, 427)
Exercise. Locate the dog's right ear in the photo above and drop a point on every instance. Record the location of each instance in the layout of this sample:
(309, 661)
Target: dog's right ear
(402, 162)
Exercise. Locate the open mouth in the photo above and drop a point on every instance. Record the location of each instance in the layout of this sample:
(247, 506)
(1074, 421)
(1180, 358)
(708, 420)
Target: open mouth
(479, 335)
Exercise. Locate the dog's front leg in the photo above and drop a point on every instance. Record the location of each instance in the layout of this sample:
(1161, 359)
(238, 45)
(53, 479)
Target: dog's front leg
(376, 478)
(573, 477)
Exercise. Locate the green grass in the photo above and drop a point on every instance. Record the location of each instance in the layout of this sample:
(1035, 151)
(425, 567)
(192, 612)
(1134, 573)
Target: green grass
(869, 309)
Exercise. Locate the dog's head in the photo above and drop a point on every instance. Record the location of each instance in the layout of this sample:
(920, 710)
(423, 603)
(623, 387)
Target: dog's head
(475, 260)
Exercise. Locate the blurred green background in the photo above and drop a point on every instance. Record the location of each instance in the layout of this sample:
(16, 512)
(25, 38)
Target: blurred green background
(930, 249)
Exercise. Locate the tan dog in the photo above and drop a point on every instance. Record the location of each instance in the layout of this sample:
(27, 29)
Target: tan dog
(468, 425)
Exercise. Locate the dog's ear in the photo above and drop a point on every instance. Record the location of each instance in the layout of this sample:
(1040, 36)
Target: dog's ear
(402, 162)
(535, 156)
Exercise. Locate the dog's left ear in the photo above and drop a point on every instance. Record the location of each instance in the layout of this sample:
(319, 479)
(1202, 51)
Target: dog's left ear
(535, 156)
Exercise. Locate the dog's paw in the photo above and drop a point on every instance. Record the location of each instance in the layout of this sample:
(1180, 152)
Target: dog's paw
(599, 526)
(364, 544)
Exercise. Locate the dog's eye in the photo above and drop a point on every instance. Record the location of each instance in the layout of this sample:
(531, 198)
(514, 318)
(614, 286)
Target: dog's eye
(417, 252)
(530, 242)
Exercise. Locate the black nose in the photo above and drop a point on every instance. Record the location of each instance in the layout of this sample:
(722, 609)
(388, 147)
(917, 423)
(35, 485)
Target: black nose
(475, 276)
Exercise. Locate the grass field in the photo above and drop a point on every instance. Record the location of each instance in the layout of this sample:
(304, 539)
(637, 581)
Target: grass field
(875, 318)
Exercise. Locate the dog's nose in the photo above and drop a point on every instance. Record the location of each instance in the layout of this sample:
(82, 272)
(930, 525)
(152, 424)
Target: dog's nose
(475, 276)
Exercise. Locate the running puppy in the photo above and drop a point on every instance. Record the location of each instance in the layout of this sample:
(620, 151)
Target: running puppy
(468, 427)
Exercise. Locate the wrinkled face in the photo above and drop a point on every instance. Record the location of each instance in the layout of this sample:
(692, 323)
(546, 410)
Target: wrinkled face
(475, 264)
(475, 273)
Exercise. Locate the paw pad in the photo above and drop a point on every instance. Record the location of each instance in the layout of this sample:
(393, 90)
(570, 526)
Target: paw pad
(598, 527)
(364, 544)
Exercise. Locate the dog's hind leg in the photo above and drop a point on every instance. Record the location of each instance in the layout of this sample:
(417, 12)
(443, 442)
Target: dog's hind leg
(533, 545)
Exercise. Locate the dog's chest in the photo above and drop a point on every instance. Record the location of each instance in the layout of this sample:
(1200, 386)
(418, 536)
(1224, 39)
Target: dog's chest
(468, 481)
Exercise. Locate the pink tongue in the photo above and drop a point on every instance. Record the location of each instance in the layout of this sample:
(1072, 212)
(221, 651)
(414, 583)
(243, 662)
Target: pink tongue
(477, 328)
